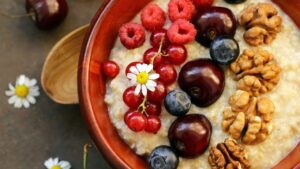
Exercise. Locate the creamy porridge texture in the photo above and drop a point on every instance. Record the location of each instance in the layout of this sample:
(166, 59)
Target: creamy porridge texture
(286, 119)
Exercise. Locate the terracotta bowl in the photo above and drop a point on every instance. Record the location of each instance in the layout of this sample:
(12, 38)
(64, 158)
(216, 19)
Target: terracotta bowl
(96, 49)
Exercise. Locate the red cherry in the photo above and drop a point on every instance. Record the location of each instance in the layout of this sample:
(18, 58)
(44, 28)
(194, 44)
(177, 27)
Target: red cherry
(127, 70)
(149, 54)
(153, 124)
(167, 74)
(159, 94)
(47, 14)
(135, 121)
(153, 109)
(127, 116)
(157, 36)
(131, 100)
(111, 69)
(177, 54)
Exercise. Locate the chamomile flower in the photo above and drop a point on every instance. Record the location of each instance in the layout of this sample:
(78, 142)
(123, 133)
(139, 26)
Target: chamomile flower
(141, 75)
(23, 93)
(54, 163)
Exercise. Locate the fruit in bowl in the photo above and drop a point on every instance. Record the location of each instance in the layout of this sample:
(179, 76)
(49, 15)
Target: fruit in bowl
(105, 112)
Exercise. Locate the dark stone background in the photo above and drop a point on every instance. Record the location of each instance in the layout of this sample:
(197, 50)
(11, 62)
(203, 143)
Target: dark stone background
(30, 136)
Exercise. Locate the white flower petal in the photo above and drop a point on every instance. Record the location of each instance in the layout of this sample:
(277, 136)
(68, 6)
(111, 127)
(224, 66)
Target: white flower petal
(137, 89)
(140, 67)
(149, 68)
(134, 70)
(31, 99)
(151, 83)
(151, 88)
(11, 87)
(154, 76)
(144, 90)
(18, 103)
(48, 163)
(21, 80)
(65, 164)
(131, 76)
(55, 161)
(25, 103)
(9, 93)
(12, 99)
(32, 82)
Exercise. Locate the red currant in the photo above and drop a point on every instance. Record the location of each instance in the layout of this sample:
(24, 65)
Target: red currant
(177, 54)
(167, 74)
(131, 100)
(136, 121)
(157, 36)
(127, 70)
(149, 54)
(159, 94)
(153, 109)
(153, 124)
(111, 69)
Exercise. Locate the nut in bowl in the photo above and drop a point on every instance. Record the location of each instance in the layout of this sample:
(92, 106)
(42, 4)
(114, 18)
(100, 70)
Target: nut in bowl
(104, 107)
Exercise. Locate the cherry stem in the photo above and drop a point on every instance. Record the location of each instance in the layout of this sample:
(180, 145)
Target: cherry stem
(159, 50)
(85, 154)
(142, 106)
(16, 16)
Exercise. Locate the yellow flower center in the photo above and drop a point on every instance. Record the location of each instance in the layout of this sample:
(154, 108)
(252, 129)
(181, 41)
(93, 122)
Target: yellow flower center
(22, 91)
(142, 77)
(56, 167)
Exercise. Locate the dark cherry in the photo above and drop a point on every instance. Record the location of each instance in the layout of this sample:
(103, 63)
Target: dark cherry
(177, 54)
(127, 70)
(153, 108)
(149, 54)
(235, 1)
(212, 22)
(47, 13)
(159, 94)
(167, 74)
(190, 135)
(203, 80)
(157, 36)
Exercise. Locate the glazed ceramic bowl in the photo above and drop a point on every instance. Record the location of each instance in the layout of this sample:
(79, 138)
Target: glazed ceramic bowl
(96, 49)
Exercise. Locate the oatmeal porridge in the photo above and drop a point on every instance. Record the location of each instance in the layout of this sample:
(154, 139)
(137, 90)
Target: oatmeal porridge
(286, 117)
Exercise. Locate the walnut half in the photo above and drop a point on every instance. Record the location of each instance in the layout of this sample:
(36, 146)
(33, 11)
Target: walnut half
(256, 71)
(228, 155)
(262, 23)
(248, 118)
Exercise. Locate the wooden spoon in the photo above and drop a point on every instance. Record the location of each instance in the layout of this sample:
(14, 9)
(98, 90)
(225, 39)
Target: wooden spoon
(59, 74)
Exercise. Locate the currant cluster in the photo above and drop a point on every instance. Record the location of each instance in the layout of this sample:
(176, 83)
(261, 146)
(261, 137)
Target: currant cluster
(167, 51)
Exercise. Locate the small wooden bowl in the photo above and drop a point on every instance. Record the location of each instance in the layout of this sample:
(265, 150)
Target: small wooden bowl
(59, 74)
(96, 49)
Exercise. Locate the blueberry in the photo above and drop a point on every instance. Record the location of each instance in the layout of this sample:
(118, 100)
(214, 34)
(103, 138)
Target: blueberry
(224, 50)
(163, 157)
(177, 103)
(235, 1)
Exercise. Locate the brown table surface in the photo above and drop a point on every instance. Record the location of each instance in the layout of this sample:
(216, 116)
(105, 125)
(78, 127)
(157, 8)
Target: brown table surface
(30, 136)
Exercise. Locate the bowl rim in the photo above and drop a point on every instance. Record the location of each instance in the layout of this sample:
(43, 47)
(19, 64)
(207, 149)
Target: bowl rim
(84, 99)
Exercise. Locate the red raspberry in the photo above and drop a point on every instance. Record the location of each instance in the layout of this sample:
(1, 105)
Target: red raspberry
(132, 35)
(203, 3)
(181, 32)
(153, 17)
(181, 9)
